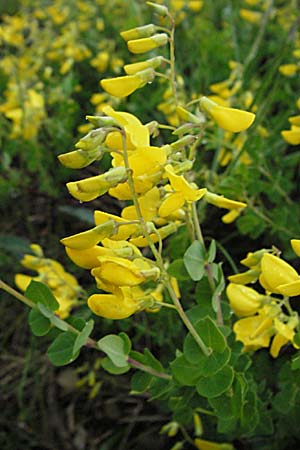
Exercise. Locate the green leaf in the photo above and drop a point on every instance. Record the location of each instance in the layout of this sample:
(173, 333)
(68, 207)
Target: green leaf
(216, 297)
(177, 269)
(56, 321)
(211, 254)
(151, 361)
(194, 260)
(83, 336)
(216, 384)
(127, 342)
(39, 324)
(295, 365)
(140, 382)
(40, 293)
(212, 338)
(113, 346)
(60, 351)
(111, 368)
(203, 292)
(185, 372)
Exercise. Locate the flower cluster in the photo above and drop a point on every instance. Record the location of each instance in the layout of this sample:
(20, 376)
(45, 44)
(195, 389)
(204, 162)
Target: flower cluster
(64, 286)
(292, 136)
(267, 315)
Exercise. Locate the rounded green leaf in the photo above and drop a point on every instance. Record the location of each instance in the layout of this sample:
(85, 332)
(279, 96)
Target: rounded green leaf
(39, 324)
(212, 338)
(83, 336)
(185, 372)
(41, 293)
(194, 260)
(60, 351)
(114, 347)
(109, 366)
(215, 385)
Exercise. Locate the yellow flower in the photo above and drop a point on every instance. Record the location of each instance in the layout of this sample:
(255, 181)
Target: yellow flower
(250, 16)
(133, 68)
(90, 238)
(254, 332)
(230, 119)
(148, 205)
(250, 276)
(64, 286)
(138, 32)
(90, 188)
(124, 86)
(182, 192)
(137, 133)
(124, 231)
(222, 202)
(202, 444)
(87, 258)
(244, 301)
(113, 306)
(285, 333)
(276, 272)
(296, 246)
(146, 44)
(292, 136)
(122, 272)
(288, 70)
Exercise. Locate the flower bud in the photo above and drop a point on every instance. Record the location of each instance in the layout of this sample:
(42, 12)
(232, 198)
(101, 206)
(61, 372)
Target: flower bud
(80, 158)
(159, 9)
(153, 63)
(102, 121)
(146, 44)
(139, 32)
(93, 139)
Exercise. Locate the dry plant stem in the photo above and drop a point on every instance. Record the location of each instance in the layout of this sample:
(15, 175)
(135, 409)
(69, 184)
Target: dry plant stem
(157, 255)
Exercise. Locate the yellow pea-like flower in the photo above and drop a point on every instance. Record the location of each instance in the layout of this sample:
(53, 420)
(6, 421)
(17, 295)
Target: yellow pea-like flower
(22, 281)
(138, 32)
(153, 63)
(118, 272)
(146, 44)
(222, 202)
(90, 238)
(254, 332)
(250, 16)
(124, 86)
(230, 119)
(288, 70)
(112, 306)
(78, 159)
(295, 243)
(124, 231)
(88, 258)
(276, 272)
(243, 300)
(250, 276)
(292, 136)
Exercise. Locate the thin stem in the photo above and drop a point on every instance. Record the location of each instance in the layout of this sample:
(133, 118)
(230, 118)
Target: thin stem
(172, 59)
(148, 369)
(260, 35)
(157, 255)
(186, 320)
(16, 294)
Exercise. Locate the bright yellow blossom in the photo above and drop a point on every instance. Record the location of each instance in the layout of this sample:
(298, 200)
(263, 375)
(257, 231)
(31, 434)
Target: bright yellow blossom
(230, 119)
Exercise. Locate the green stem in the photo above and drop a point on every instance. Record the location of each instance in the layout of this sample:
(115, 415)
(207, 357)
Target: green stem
(157, 255)
(172, 59)
(148, 369)
(16, 294)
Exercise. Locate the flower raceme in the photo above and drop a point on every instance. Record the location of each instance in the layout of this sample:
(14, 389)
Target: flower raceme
(264, 317)
(64, 286)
